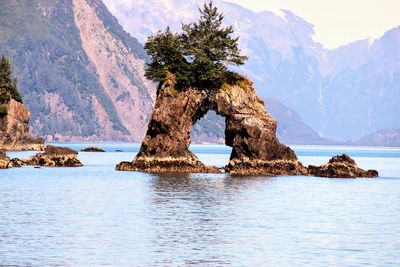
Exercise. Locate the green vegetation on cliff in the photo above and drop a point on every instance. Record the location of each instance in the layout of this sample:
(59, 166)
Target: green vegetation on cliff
(8, 84)
(199, 55)
(55, 74)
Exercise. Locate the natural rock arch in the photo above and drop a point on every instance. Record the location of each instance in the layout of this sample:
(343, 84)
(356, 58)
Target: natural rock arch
(250, 131)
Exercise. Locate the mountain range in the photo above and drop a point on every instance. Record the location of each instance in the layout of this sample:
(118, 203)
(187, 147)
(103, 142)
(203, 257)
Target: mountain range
(343, 93)
(82, 74)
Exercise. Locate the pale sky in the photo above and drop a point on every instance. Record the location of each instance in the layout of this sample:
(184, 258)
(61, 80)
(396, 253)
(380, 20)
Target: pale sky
(338, 22)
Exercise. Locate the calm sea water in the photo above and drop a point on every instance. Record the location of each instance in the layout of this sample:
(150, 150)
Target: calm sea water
(94, 216)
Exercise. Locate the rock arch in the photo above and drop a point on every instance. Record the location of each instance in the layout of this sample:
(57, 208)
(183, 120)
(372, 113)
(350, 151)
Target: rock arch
(250, 131)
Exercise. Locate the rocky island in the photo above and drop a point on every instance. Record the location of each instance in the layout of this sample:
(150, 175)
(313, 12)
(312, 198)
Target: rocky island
(55, 157)
(194, 79)
(250, 131)
(52, 157)
(341, 167)
(92, 149)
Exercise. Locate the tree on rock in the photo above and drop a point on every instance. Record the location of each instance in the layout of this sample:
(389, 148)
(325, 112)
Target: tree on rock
(199, 56)
(8, 85)
(166, 52)
(210, 47)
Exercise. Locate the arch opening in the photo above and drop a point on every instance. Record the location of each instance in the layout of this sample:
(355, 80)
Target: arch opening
(208, 140)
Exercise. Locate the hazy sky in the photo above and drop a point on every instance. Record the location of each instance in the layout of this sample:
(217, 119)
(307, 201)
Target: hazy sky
(338, 22)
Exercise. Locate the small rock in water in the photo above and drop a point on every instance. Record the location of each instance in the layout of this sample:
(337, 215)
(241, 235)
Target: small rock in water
(55, 157)
(93, 149)
(341, 167)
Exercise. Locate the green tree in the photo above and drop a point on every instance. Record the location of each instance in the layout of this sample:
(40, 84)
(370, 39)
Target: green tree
(8, 85)
(166, 52)
(199, 56)
(210, 47)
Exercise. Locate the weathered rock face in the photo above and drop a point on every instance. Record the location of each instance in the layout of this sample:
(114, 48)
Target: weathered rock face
(4, 160)
(14, 129)
(250, 130)
(55, 157)
(165, 147)
(341, 167)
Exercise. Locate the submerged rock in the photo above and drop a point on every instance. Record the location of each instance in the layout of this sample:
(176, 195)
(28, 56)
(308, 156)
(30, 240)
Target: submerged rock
(93, 149)
(341, 167)
(55, 157)
(14, 129)
(250, 131)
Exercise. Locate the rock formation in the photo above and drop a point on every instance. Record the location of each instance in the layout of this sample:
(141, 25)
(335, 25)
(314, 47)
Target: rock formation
(55, 157)
(52, 157)
(341, 167)
(250, 131)
(165, 147)
(4, 160)
(14, 129)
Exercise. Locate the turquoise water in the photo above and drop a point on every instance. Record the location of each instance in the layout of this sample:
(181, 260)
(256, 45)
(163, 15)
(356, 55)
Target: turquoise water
(94, 216)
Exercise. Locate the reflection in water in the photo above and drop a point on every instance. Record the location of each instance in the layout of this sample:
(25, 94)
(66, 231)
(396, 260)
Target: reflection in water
(94, 216)
(198, 212)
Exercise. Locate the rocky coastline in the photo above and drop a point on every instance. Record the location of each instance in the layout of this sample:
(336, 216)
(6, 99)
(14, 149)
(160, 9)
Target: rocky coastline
(51, 157)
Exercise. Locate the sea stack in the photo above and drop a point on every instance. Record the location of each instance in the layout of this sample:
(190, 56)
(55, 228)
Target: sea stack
(165, 147)
(250, 131)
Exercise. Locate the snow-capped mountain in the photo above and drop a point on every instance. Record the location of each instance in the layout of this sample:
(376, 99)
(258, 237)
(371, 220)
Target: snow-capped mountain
(330, 89)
